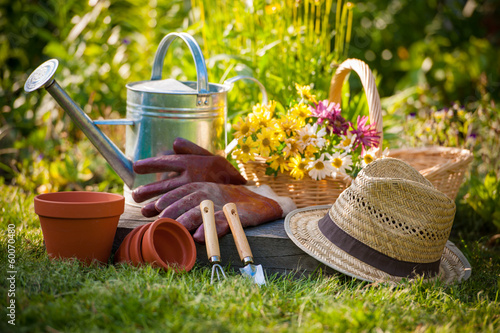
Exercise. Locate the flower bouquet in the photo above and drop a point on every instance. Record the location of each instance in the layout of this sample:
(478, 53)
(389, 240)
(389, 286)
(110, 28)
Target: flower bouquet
(298, 150)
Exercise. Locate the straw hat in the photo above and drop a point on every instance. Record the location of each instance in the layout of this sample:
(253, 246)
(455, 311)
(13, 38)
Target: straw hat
(390, 224)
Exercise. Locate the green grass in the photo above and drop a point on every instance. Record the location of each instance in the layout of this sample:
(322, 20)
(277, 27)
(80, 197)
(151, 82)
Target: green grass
(64, 296)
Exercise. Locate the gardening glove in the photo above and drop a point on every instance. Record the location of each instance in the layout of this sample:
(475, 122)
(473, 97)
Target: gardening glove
(187, 163)
(256, 205)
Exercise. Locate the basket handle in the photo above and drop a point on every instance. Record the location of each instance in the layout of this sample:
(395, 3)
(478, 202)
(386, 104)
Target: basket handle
(372, 96)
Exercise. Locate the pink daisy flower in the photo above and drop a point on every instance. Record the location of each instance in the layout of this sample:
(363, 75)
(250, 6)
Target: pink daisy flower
(330, 112)
(366, 135)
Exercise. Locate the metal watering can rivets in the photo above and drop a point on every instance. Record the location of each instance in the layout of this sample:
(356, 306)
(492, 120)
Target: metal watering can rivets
(158, 111)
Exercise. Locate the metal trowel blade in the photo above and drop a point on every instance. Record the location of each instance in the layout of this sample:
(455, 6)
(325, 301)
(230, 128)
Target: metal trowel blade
(255, 273)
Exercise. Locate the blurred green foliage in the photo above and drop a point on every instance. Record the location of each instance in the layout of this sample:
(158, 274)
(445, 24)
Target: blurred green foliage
(101, 45)
(278, 42)
(450, 46)
(474, 126)
(484, 197)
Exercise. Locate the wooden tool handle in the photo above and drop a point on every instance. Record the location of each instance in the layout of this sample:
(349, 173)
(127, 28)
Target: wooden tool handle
(211, 240)
(240, 239)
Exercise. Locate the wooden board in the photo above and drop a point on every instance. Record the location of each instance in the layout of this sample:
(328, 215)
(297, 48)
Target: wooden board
(269, 242)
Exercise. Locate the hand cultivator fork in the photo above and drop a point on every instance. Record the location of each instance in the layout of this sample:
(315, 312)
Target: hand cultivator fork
(211, 240)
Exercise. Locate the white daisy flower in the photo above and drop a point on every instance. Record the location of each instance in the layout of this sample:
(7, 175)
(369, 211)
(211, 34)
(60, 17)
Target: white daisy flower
(367, 158)
(346, 142)
(310, 136)
(370, 155)
(340, 163)
(320, 168)
(292, 147)
(320, 142)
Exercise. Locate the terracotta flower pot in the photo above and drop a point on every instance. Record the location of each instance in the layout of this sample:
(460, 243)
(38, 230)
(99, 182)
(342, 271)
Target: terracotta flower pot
(123, 252)
(135, 250)
(79, 225)
(168, 244)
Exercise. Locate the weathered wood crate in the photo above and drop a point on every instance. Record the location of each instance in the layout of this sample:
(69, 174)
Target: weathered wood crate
(269, 242)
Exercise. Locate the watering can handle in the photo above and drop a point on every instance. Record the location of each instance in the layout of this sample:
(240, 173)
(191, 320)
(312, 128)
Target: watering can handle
(229, 83)
(199, 60)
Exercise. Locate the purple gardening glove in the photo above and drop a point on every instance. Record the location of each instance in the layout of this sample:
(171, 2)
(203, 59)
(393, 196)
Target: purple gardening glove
(183, 204)
(187, 164)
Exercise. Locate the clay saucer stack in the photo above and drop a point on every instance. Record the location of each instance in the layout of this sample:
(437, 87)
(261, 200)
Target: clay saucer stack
(164, 243)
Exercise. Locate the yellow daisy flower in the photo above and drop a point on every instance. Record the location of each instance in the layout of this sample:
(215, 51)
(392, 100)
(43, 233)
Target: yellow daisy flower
(257, 109)
(279, 134)
(299, 167)
(260, 120)
(264, 108)
(270, 106)
(247, 150)
(288, 125)
(305, 93)
(310, 150)
(279, 162)
(242, 128)
(267, 142)
(300, 112)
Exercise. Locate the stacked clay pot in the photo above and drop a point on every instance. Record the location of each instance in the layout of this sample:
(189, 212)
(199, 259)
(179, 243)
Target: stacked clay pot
(164, 243)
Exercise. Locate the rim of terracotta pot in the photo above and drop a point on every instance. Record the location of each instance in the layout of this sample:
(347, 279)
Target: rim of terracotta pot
(79, 204)
(135, 246)
(184, 244)
(122, 255)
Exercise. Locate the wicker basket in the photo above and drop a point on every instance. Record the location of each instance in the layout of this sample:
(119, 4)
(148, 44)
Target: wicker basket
(306, 192)
(444, 167)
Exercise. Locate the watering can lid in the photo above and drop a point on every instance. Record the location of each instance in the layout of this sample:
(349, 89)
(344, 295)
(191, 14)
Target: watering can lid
(164, 86)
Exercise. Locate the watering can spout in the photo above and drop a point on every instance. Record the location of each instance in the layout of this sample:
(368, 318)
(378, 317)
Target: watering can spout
(43, 77)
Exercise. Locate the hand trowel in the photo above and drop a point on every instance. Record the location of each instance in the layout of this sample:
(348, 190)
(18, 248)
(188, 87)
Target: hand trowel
(254, 272)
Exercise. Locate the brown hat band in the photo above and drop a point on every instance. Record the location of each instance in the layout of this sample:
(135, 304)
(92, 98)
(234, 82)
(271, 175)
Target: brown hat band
(371, 256)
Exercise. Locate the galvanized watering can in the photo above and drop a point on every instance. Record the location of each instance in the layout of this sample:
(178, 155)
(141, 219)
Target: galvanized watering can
(158, 111)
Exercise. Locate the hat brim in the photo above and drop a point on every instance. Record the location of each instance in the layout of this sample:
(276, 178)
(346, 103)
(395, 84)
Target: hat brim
(301, 225)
